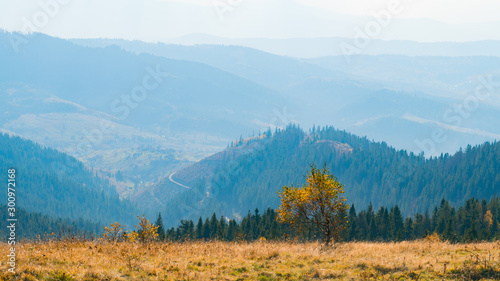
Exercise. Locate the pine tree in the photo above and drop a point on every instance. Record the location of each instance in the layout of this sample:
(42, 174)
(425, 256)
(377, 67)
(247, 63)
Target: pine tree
(161, 229)
(352, 221)
(213, 226)
(495, 229)
(199, 229)
(382, 223)
(408, 229)
(397, 222)
(221, 229)
(373, 233)
(191, 233)
(256, 233)
(449, 232)
(471, 234)
(231, 230)
(206, 230)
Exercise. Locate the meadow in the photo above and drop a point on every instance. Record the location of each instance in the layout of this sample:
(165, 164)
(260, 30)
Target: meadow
(415, 260)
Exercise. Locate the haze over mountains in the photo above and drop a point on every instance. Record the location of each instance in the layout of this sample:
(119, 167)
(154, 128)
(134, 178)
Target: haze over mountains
(159, 21)
(350, 89)
(342, 46)
(141, 115)
(84, 112)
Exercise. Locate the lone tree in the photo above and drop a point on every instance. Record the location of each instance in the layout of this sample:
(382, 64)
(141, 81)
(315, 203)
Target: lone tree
(317, 205)
(146, 231)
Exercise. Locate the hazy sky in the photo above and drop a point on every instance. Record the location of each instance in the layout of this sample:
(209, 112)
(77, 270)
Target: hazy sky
(154, 20)
(449, 11)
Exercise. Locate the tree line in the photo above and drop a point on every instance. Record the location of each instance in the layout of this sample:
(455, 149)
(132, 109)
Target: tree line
(476, 220)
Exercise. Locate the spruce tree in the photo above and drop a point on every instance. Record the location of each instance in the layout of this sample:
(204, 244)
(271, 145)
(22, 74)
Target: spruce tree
(397, 221)
(161, 229)
(449, 232)
(373, 233)
(231, 230)
(199, 229)
(191, 232)
(221, 229)
(408, 229)
(213, 226)
(352, 221)
(206, 230)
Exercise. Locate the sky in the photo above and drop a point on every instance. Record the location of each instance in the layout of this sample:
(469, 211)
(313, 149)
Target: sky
(157, 20)
(448, 11)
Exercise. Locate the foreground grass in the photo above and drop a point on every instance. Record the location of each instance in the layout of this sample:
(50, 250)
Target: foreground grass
(418, 260)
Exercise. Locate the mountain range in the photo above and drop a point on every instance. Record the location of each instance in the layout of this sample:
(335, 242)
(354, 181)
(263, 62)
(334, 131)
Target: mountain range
(190, 130)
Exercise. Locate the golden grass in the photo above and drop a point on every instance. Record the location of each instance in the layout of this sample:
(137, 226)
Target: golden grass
(419, 260)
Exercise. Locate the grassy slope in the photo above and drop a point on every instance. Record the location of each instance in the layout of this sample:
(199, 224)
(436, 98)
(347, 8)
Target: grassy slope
(422, 260)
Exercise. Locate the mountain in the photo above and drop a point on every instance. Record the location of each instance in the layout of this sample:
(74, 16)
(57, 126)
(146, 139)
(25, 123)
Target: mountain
(95, 78)
(372, 173)
(114, 110)
(272, 71)
(445, 75)
(376, 96)
(55, 184)
(307, 47)
(452, 77)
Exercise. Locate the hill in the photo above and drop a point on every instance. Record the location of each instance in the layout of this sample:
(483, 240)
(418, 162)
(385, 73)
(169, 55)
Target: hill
(372, 172)
(55, 184)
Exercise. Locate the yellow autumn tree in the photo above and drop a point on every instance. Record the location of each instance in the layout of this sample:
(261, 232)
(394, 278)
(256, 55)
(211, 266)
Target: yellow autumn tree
(146, 231)
(114, 233)
(131, 236)
(317, 205)
(488, 218)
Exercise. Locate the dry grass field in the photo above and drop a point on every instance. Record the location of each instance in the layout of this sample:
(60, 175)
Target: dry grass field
(419, 260)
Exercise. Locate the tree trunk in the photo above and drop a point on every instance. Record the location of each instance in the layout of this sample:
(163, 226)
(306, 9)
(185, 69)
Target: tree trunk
(328, 237)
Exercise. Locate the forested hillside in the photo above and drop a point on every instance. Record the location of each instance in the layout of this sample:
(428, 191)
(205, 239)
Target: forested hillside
(55, 184)
(372, 173)
(37, 226)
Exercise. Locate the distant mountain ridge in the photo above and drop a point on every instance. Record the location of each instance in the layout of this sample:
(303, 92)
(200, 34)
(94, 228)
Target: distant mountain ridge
(329, 46)
(368, 95)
